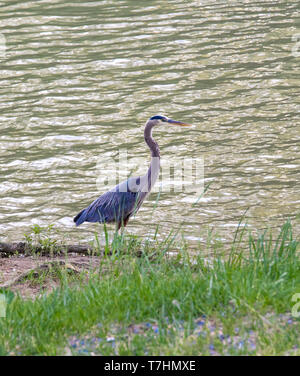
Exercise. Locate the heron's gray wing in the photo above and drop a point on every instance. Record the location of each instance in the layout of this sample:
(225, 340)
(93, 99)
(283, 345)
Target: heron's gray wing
(111, 207)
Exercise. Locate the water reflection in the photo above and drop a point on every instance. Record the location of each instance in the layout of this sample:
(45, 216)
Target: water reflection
(79, 80)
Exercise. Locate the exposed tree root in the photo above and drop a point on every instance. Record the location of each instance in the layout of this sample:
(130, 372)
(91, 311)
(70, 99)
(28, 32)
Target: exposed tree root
(7, 249)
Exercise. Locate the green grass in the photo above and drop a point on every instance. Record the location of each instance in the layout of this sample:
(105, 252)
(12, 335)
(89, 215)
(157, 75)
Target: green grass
(150, 304)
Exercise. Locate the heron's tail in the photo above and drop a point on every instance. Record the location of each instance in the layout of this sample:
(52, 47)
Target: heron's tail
(80, 217)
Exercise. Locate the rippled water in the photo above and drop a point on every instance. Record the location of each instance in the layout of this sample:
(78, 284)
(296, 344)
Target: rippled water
(79, 79)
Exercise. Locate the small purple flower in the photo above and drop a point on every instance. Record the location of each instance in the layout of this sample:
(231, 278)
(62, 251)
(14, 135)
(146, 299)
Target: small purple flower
(252, 345)
(241, 344)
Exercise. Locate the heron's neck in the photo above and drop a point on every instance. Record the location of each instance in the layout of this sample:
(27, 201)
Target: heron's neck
(154, 168)
(153, 146)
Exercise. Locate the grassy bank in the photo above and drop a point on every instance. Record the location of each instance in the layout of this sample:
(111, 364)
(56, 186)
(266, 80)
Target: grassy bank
(157, 304)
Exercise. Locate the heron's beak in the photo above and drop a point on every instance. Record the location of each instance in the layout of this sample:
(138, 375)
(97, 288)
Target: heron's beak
(171, 121)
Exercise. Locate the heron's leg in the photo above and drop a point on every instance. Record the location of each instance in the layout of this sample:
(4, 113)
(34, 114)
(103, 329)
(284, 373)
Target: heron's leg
(123, 223)
(120, 234)
(126, 221)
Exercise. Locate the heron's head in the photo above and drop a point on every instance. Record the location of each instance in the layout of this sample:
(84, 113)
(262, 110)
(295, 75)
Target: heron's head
(160, 119)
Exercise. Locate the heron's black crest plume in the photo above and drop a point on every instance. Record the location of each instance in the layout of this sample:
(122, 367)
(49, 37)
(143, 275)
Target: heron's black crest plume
(158, 117)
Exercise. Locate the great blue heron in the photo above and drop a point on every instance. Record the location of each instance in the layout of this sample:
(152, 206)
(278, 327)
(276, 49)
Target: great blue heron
(121, 202)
